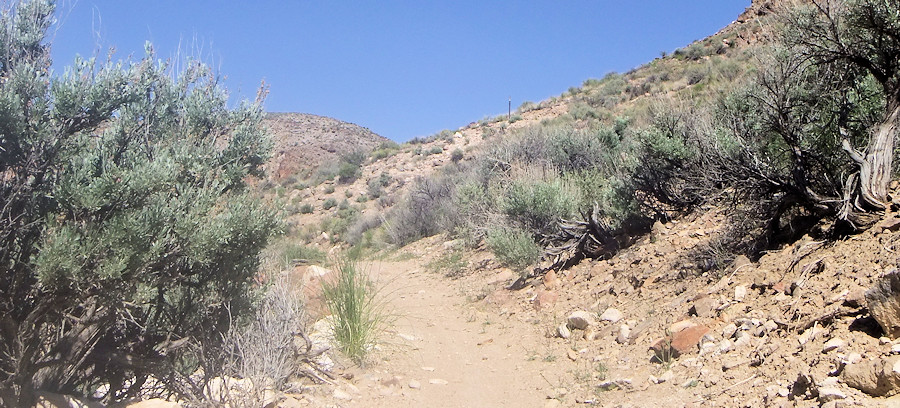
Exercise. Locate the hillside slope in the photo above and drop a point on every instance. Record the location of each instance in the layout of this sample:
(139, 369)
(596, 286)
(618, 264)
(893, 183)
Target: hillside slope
(305, 141)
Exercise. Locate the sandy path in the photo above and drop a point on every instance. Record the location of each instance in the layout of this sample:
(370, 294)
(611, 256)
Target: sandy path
(459, 353)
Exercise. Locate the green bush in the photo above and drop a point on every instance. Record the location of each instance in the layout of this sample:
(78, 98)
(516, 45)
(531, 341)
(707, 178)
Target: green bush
(514, 248)
(130, 240)
(538, 204)
(456, 155)
(290, 254)
(329, 204)
(306, 208)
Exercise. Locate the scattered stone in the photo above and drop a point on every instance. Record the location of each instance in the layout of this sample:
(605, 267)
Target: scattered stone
(572, 355)
(852, 358)
(427, 368)
(740, 292)
(415, 384)
(809, 334)
(729, 331)
(545, 299)
(883, 300)
(666, 376)
(704, 306)
(693, 382)
(438, 381)
(563, 331)
(679, 343)
(550, 280)
(580, 320)
(342, 395)
(681, 325)
(611, 315)
(743, 339)
(591, 334)
(830, 393)
(770, 325)
(624, 334)
(725, 346)
(895, 349)
(833, 344)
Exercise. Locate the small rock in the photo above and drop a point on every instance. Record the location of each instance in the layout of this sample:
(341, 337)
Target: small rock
(704, 306)
(770, 325)
(342, 395)
(679, 343)
(591, 333)
(895, 349)
(681, 325)
(563, 331)
(853, 358)
(572, 355)
(550, 280)
(740, 292)
(809, 334)
(438, 381)
(743, 339)
(729, 331)
(415, 384)
(666, 376)
(624, 334)
(725, 346)
(580, 320)
(611, 315)
(545, 299)
(833, 344)
(830, 394)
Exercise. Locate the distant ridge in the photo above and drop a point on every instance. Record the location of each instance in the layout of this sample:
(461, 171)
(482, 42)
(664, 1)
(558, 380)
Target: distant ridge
(304, 141)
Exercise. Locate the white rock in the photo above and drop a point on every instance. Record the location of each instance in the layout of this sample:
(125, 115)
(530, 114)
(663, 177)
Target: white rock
(770, 325)
(729, 331)
(681, 325)
(666, 376)
(831, 394)
(740, 292)
(743, 339)
(853, 358)
(611, 315)
(563, 331)
(895, 349)
(415, 384)
(342, 395)
(624, 334)
(580, 320)
(833, 344)
(438, 381)
(725, 346)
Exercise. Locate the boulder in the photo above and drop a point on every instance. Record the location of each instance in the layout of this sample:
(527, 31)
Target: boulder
(878, 377)
(883, 300)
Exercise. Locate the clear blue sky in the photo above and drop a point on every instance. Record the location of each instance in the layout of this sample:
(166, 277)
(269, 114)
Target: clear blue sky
(400, 68)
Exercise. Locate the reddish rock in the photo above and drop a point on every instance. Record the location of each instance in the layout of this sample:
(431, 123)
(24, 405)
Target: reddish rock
(544, 299)
(782, 287)
(550, 280)
(680, 343)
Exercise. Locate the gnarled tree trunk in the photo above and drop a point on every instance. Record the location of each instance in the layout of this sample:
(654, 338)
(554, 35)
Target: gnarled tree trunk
(867, 191)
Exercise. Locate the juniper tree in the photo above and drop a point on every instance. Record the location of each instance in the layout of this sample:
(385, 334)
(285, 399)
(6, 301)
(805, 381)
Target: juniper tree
(128, 237)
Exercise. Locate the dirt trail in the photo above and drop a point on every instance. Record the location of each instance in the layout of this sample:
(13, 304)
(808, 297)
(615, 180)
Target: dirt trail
(443, 350)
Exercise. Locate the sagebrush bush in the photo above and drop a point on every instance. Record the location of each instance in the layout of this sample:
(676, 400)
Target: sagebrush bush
(513, 247)
(130, 239)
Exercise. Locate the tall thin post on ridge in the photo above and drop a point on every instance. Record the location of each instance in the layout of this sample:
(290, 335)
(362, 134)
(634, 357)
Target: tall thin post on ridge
(509, 109)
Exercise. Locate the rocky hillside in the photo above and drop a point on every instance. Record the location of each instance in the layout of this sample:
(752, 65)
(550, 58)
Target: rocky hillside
(304, 141)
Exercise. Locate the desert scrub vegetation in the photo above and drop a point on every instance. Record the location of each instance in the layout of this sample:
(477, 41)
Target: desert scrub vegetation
(513, 247)
(357, 313)
(129, 232)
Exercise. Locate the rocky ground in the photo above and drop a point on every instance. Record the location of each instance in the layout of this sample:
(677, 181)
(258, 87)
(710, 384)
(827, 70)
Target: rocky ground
(794, 328)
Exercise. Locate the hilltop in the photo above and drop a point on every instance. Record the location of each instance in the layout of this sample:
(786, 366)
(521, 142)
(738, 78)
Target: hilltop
(304, 141)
